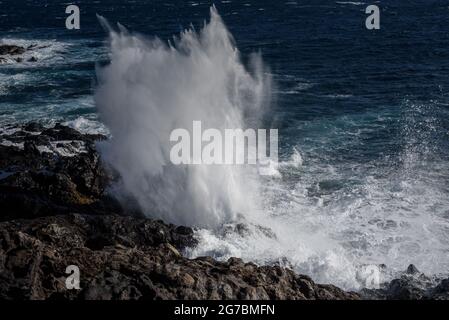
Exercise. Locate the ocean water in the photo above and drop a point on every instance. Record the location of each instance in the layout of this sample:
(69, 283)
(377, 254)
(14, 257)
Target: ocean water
(363, 119)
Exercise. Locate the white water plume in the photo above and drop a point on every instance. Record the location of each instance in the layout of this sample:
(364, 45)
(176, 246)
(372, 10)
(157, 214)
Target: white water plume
(151, 88)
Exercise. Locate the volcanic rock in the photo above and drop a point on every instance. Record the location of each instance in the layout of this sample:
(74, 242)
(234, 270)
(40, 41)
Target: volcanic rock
(132, 258)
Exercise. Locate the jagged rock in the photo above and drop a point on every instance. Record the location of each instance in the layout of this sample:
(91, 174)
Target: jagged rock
(441, 291)
(411, 269)
(132, 258)
(57, 171)
(411, 285)
(11, 49)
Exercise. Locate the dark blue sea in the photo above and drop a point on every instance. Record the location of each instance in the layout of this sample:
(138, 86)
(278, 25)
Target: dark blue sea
(363, 119)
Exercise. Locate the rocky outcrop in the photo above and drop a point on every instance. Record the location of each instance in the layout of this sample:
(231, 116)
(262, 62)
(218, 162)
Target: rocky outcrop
(410, 285)
(11, 52)
(48, 171)
(132, 258)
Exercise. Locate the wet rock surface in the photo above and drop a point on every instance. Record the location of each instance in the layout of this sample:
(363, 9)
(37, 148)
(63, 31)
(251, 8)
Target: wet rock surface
(132, 258)
(56, 212)
(48, 171)
(410, 285)
(11, 52)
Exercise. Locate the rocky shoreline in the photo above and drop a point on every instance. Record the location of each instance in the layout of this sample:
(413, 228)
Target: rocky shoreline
(56, 212)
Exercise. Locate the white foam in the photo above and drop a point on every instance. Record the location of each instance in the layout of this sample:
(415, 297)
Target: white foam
(44, 149)
(5, 130)
(67, 148)
(8, 143)
(85, 125)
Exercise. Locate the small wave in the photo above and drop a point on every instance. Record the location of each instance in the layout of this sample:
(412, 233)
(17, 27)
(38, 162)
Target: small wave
(338, 96)
(85, 125)
(350, 3)
(298, 88)
(291, 84)
(295, 160)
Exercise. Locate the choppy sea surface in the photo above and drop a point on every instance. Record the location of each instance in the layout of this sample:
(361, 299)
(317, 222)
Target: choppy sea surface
(363, 119)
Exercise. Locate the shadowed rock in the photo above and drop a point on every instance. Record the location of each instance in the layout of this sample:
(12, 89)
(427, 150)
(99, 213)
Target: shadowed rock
(411, 285)
(132, 258)
(47, 171)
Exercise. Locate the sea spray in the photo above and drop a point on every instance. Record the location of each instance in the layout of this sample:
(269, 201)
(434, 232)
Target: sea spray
(319, 215)
(148, 89)
(151, 88)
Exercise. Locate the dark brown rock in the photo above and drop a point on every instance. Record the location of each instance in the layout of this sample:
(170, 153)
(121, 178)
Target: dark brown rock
(126, 258)
(56, 171)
